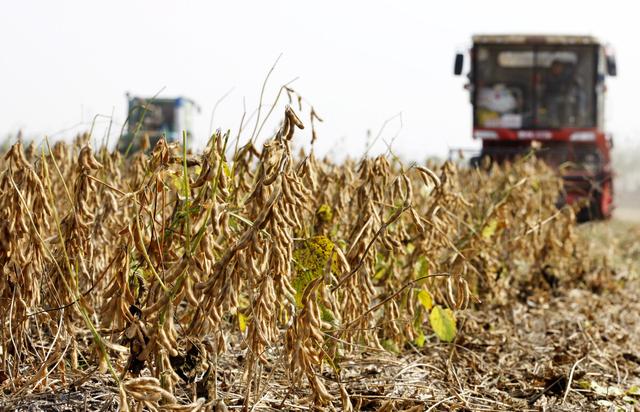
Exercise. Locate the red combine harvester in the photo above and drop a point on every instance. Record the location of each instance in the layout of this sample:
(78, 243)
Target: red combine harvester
(545, 92)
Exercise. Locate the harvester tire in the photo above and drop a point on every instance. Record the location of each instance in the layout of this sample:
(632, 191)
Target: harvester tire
(600, 207)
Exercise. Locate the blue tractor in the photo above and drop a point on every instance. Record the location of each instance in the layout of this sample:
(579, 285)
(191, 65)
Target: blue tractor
(154, 118)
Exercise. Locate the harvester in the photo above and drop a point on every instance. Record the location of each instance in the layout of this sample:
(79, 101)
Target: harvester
(154, 118)
(545, 93)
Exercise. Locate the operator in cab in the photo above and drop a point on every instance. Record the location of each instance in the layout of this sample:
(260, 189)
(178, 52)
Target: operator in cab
(562, 100)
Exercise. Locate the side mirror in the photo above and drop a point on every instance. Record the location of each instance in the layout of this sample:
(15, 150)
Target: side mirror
(612, 70)
(459, 62)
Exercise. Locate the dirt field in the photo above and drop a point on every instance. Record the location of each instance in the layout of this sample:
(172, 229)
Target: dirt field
(627, 207)
(627, 214)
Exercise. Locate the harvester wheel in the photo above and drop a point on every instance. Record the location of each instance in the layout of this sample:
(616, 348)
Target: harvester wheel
(604, 199)
(601, 203)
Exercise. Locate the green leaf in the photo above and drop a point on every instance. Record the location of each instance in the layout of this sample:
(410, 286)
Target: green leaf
(420, 339)
(380, 273)
(390, 346)
(328, 316)
(422, 267)
(425, 299)
(443, 323)
(417, 321)
(489, 229)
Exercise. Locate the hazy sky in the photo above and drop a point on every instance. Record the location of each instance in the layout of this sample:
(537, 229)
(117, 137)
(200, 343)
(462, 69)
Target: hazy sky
(358, 62)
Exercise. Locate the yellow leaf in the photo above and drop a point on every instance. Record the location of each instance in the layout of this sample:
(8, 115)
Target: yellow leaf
(420, 339)
(226, 169)
(324, 213)
(584, 384)
(489, 229)
(535, 183)
(242, 322)
(443, 323)
(425, 298)
(177, 184)
(310, 261)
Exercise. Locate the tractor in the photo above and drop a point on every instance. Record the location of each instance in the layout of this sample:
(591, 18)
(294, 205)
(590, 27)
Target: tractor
(156, 118)
(545, 93)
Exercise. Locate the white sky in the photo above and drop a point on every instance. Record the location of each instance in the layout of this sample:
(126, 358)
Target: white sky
(358, 62)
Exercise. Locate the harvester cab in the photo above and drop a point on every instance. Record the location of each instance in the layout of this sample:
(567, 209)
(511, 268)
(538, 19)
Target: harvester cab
(154, 118)
(545, 92)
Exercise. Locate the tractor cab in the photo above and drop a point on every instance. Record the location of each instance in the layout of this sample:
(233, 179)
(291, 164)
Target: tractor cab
(545, 92)
(155, 118)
